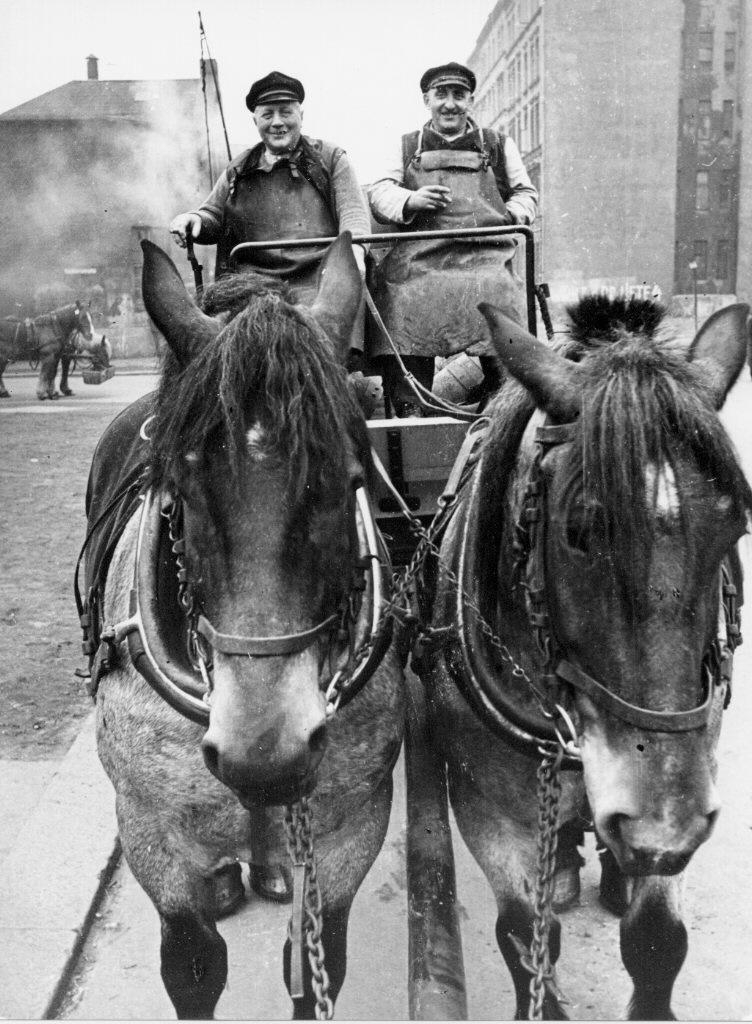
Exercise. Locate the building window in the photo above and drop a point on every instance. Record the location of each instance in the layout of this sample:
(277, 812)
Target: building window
(701, 259)
(534, 57)
(728, 118)
(724, 189)
(722, 260)
(729, 53)
(702, 192)
(704, 112)
(705, 51)
(535, 124)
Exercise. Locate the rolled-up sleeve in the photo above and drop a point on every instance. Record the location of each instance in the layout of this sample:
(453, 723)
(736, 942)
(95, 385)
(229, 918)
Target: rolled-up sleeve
(387, 194)
(522, 203)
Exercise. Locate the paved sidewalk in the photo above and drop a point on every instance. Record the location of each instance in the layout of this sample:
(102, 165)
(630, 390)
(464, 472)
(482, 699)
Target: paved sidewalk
(58, 850)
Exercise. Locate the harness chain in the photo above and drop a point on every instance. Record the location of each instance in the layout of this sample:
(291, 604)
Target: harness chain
(300, 843)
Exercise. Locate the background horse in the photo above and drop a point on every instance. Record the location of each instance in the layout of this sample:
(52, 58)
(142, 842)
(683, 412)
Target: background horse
(257, 439)
(581, 573)
(57, 336)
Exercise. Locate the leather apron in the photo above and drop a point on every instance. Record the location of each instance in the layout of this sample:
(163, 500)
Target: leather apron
(276, 203)
(428, 291)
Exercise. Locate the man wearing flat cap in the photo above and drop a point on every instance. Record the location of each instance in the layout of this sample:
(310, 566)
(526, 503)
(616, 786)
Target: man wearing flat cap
(450, 173)
(287, 186)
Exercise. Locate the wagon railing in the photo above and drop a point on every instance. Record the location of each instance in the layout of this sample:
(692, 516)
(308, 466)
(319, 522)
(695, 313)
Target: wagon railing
(409, 236)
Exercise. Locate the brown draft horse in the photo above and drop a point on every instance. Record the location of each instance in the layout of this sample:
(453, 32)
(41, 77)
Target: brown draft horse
(606, 500)
(257, 438)
(51, 338)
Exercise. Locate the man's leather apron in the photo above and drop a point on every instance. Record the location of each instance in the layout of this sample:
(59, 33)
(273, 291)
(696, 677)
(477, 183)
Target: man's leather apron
(277, 204)
(428, 291)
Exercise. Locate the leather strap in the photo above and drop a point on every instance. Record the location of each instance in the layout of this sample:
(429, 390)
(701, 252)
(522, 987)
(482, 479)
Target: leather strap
(640, 718)
(263, 646)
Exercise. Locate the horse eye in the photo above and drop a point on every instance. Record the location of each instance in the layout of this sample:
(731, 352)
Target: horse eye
(584, 529)
(578, 535)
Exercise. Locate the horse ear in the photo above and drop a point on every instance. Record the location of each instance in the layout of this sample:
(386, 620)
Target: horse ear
(339, 290)
(719, 348)
(175, 314)
(554, 382)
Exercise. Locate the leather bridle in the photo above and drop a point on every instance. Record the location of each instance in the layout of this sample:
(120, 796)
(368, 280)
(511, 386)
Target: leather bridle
(189, 692)
(559, 671)
(475, 659)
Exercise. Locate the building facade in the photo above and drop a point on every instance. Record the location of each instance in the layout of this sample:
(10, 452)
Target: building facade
(630, 123)
(89, 169)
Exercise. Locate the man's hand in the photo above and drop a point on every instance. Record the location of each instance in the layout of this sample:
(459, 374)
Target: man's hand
(429, 197)
(184, 223)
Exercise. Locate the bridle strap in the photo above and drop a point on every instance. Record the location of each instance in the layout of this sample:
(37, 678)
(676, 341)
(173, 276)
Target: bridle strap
(263, 646)
(640, 718)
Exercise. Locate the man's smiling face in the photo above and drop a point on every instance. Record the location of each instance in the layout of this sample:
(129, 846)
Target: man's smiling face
(449, 106)
(279, 125)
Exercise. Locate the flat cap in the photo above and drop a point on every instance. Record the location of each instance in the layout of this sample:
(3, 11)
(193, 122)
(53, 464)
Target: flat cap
(273, 87)
(448, 74)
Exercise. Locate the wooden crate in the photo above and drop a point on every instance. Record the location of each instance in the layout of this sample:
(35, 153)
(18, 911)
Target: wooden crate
(418, 454)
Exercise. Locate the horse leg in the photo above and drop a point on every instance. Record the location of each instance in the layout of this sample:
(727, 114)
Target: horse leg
(46, 381)
(4, 393)
(509, 865)
(64, 371)
(193, 953)
(194, 963)
(653, 945)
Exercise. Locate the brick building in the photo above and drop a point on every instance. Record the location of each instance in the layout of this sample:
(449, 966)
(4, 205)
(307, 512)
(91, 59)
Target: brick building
(93, 166)
(630, 122)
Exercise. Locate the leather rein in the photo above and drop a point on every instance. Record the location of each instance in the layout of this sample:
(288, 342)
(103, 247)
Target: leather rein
(474, 668)
(365, 629)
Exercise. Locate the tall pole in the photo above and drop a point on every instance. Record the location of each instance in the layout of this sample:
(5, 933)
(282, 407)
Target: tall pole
(693, 268)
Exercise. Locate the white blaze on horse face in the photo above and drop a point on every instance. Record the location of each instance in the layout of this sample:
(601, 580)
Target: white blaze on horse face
(256, 440)
(661, 491)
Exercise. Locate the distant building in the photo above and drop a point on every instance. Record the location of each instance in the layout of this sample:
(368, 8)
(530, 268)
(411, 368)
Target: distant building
(89, 169)
(629, 117)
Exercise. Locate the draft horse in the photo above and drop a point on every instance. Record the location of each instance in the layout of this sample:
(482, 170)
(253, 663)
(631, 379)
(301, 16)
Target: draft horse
(580, 584)
(49, 339)
(258, 458)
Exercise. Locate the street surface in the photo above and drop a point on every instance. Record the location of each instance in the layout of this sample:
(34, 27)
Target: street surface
(118, 973)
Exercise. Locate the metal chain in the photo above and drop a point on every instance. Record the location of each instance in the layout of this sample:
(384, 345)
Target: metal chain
(549, 792)
(300, 844)
(197, 648)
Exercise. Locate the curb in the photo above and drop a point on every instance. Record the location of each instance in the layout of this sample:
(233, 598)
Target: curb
(52, 882)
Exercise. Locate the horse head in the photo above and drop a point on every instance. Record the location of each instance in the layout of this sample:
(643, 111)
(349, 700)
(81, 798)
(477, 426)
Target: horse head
(638, 498)
(257, 435)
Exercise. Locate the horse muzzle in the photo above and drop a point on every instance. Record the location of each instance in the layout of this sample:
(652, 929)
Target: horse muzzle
(276, 766)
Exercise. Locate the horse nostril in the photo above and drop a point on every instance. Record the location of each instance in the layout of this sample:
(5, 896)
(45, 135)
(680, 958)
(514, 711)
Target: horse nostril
(317, 740)
(211, 756)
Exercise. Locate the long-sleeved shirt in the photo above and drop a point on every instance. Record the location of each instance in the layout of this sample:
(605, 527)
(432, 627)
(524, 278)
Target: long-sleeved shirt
(387, 195)
(350, 210)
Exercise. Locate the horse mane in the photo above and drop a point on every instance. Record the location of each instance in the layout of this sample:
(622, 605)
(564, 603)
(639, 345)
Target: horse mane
(597, 319)
(643, 403)
(273, 365)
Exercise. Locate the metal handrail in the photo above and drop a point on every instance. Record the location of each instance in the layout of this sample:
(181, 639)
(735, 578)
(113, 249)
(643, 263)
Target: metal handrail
(409, 236)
